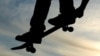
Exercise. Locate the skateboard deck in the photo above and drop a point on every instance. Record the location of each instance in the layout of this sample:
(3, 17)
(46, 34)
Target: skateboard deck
(29, 45)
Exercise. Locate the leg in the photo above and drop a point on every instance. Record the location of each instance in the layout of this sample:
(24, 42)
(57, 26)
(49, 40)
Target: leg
(39, 17)
(67, 11)
(37, 22)
(66, 7)
(67, 16)
(40, 14)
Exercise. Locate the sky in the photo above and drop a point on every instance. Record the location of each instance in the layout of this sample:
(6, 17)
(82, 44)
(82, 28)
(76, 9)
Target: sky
(15, 17)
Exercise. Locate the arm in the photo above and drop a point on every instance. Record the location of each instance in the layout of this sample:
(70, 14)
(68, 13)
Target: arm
(80, 10)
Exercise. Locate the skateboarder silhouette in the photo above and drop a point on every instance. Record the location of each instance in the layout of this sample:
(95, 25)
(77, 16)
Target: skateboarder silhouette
(66, 17)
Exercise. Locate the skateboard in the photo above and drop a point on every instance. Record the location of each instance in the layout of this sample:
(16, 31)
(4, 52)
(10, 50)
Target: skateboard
(29, 45)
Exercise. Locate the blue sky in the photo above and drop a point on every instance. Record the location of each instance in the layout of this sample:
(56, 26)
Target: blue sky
(15, 17)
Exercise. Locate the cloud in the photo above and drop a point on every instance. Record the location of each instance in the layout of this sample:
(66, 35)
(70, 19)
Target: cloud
(65, 44)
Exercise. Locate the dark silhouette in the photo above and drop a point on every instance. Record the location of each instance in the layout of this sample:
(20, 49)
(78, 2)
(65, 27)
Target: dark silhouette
(66, 17)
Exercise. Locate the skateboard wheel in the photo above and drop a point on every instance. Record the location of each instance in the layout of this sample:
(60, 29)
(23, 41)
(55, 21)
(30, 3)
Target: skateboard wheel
(33, 50)
(64, 28)
(30, 49)
(70, 29)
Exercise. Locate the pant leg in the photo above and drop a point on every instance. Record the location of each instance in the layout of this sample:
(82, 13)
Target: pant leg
(66, 6)
(67, 11)
(40, 14)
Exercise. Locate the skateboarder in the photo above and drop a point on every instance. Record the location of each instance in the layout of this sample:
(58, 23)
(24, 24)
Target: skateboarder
(67, 16)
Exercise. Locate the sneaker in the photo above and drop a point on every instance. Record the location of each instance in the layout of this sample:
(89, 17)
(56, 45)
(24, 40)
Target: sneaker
(29, 37)
(62, 20)
(56, 20)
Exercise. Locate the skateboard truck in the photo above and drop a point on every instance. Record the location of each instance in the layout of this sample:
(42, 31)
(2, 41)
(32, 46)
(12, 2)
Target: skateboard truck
(70, 29)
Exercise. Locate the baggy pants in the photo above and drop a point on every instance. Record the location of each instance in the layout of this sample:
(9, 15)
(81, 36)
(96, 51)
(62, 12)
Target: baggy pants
(41, 12)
